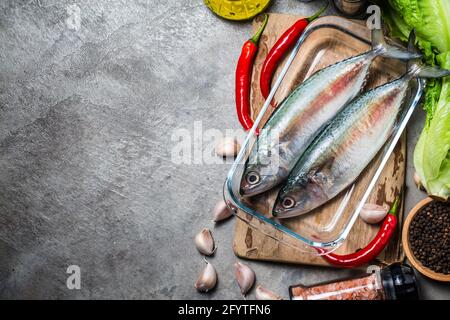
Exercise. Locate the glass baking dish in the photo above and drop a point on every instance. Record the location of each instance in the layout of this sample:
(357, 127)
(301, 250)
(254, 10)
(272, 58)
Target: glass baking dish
(332, 39)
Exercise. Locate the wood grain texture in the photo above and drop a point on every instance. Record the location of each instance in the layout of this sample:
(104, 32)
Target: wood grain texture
(322, 48)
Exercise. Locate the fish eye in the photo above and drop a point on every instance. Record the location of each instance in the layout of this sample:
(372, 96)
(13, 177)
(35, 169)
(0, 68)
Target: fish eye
(288, 203)
(253, 178)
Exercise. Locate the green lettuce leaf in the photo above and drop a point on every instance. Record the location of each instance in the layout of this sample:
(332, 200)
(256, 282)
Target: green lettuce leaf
(431, 20)
(428, 17)
(436, 152)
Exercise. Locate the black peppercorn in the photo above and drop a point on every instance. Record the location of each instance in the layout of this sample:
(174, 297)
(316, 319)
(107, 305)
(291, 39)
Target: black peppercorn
(429, 236)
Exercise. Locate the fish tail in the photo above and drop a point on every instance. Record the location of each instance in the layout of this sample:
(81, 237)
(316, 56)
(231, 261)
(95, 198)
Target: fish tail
(417, 69)
(427, 72)
(413, 49)
(380, 47)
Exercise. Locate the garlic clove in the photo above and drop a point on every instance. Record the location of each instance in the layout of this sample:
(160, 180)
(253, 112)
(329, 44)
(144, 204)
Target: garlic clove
(221, 211)
(204, 242)
(245, 277)
(373, 213)
(265, 294)
(207, 279)
(228, 147)
(418, 181)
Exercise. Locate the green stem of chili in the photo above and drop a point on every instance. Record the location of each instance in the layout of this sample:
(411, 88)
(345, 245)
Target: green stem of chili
(257, 36)
(395, 205)
(317, 14)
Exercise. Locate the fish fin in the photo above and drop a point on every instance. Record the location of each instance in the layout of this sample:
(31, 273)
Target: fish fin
(412, 42)
(413, 49)
(380, 46)
(321, 179)
(321, 174)
(416, 68)
(326, 165)
(413, 63)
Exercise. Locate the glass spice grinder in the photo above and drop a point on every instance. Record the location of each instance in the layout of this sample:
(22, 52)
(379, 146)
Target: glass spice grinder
(394, 282)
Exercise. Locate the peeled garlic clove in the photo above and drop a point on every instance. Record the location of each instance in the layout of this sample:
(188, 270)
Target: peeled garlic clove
(228, 147)
(418, 181)
(373, 213)
(207, 279)
(245, 277)
(265, 294)
(204, 242)
(221, 211)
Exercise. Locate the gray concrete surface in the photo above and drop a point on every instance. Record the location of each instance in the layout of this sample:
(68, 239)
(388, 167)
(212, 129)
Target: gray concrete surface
(87, 110)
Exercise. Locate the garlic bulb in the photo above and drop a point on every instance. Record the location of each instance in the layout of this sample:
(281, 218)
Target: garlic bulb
(204, 242)
(207, 279)
(245, 277)
(228, 147)
(373, 213)
(221, 211)
(265, 294)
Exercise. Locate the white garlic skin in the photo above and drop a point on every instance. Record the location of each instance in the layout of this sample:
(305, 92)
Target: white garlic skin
(228, 147)
(221, 211)
(207, 279)
(245, 277)
(262, 293)
(204, 242)
(373, 213)
(418, 181)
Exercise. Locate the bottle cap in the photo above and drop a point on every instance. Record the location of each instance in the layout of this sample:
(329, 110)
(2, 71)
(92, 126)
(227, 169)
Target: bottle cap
(399, 282)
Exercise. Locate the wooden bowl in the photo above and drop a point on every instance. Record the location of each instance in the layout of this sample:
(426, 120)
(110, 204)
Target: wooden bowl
(408, 251)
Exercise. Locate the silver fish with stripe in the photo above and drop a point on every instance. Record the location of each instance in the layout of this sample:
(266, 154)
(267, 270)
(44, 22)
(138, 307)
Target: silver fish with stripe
(346, 146)
(303, 114)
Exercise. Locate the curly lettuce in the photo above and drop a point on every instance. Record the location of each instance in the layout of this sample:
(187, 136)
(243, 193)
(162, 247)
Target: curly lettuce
(430, 19)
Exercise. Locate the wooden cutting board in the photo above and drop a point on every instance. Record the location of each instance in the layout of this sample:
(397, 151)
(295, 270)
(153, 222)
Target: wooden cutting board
(320, 50)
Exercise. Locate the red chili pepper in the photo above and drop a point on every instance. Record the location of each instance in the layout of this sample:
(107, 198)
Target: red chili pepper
(373, 249)
(244, 76)
(279, 49)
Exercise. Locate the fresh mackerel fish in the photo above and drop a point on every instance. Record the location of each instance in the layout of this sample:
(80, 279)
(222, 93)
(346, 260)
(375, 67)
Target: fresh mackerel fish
(299, 118)
(346, 146)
